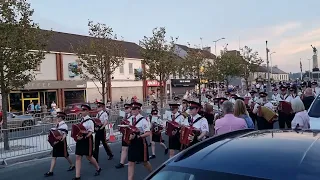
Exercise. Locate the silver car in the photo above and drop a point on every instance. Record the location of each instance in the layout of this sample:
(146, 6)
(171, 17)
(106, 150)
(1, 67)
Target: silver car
(314, 113)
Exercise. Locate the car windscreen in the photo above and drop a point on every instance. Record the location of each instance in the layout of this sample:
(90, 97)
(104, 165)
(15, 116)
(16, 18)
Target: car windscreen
(314, 110)
(181, 173)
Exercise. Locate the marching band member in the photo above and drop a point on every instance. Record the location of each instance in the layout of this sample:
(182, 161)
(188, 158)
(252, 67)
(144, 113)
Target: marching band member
(124, 149)
(197, 122)
(184, 106)
(84, 145)
(138, 148)
(101, 133)
(261, 122)
(174, 141)
(303, 87)
(316, 90)
(275, 95)
(284, 118)
(156, 136)
(251, 103)
(60, 148)
(293, 92)
(233, 98)
(227, 94)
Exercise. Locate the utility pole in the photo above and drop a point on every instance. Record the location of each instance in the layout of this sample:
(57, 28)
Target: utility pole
(268, 68)
(309, 70)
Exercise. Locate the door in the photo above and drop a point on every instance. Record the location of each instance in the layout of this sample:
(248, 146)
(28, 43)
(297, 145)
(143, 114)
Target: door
(27, 102)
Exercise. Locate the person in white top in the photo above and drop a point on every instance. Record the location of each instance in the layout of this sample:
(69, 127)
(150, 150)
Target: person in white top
(84, 145)
(293, 92)
(197, 122)
(138, 148)
(174, 140)
(275, 95)
(53, 104)
(60, 148)
(261, 122)
(100, 130)
(156, 136)
(284, 118)
(301, 118)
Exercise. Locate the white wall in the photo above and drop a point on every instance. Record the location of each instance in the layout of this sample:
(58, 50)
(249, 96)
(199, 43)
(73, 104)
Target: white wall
(48, 68)
(91, 84)
(126, 74)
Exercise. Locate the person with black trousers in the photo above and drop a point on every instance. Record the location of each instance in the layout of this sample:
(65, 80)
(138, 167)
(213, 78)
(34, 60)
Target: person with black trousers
(308, 98)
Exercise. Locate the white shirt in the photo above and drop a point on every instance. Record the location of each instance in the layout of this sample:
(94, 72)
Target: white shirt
(89, 125)
(232, 100)
(268, 105)
(142, 125)
(156, 119)
(201, 124)
(302, 119)
(61, 125)
(275, 97)
(178, 118)
(284, 98)
(103, 116)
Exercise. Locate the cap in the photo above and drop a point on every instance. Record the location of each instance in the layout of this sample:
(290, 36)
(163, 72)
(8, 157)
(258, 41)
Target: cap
(136, 105)
(274, 85)
(154, 102)
(184, 101)
(208, 96)
(100, 104)
(154, 110)
(252, 92)
(176, 98)
(227, 93)
(314, 83)
(283, 88)
(275, 89)
(263, 94)
(241, 98)
(174, 105)
(85, 107)
(61, 114)
(223, 99)
(194, 104)
(292, 88)
(234, 96)
(127, 105)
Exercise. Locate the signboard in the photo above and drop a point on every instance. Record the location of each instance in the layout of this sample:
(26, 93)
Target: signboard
(56, 85)
(184, 82)
(153, 83)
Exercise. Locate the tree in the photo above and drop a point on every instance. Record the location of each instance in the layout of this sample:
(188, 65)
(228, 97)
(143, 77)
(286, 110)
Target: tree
(19, 35)
(159, 56)
(101, 56)
(251, 61)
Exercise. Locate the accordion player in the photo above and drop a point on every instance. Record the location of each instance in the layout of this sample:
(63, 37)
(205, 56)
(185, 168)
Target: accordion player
(267, 113)
(186, 131)
(127, 131)
(285, 107)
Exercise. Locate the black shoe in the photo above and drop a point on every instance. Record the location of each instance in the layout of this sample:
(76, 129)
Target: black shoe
(76, 178)
(119, 166)
(110, 157)
(71, 168)
(97, 172)
(152, 157)
(48, 174)
(166, 151)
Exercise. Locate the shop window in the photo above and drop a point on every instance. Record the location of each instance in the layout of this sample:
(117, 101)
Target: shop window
(50, 97)
(74, 97)
(15, 102)
(30, 95)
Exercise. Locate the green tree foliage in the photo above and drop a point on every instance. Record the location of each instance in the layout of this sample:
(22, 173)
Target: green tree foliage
(251, 61)
(159, 57)
(194, 62)
(22, 47)
(101, 56)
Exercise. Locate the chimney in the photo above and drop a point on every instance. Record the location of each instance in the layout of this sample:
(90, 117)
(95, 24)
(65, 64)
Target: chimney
(207, 49)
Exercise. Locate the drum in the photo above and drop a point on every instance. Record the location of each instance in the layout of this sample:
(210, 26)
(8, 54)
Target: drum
(156, 128)
(54, 136)
(185, 132)
(171, 126)
(267, 113)
(285, 107)
(77, 130)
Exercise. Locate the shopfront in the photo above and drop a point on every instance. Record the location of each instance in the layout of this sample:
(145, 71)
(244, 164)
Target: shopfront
(45, 93)
(180, 86)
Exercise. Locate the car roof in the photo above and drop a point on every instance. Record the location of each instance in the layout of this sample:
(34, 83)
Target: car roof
(271, 154)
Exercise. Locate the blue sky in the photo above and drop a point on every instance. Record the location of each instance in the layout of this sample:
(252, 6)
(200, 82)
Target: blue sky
(290, 26)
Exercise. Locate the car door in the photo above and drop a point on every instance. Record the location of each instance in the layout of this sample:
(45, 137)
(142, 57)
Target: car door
(314, 113)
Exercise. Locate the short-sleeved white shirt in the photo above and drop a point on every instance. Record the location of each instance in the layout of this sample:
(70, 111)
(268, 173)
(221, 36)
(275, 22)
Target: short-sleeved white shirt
(142, 125)
(103, 116)
(201, 124)
(88, 124)
(63, 126)
(179, 118)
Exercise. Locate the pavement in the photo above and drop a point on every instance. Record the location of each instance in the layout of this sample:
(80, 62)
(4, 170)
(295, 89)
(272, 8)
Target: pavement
(34, 169)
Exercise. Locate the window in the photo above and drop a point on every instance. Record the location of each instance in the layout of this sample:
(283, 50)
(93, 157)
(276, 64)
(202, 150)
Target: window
(121, 69)
(130, 68)
(314, 109)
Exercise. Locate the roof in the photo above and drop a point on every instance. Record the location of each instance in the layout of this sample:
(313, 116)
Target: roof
(63, 42)
(275, 70)
(265, 154)
(207, 54)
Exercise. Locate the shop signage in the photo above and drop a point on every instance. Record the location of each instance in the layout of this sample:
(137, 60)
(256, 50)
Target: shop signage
(153, 83)
(184, 82)
(55, 85)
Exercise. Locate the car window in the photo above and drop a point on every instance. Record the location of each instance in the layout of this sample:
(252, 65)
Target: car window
(314, 109)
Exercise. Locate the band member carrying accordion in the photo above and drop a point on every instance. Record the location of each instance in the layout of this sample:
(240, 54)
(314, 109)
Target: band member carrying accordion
(262, 123)
(156, 136)
(60, 147)
(84, 145)
(138, 148)
(101, 133)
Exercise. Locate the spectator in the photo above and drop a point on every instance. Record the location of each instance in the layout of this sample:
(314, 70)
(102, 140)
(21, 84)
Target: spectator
(301, 119)
(240, 111)
(229, 122)
(210, 117)
(308, 98)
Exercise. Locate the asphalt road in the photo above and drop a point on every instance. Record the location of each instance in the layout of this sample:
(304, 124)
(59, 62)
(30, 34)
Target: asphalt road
(34, 170)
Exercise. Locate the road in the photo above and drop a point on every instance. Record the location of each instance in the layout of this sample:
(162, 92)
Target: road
(34, 170)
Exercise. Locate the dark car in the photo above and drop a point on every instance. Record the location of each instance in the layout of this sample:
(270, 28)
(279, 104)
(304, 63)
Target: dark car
(247, 154)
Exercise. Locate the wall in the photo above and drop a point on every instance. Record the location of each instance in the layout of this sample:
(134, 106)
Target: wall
(48, 68)
(126, 75)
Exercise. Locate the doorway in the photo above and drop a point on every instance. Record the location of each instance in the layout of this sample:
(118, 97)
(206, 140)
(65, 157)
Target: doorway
(27, 102)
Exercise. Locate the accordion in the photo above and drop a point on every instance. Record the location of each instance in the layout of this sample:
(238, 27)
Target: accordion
(127, 131)
(78, 130)
(123, 122)
(185, 132)
(156, 128)
(285, 107)
(54, 136)
(171, 126)
(97, 122)
(267, 113)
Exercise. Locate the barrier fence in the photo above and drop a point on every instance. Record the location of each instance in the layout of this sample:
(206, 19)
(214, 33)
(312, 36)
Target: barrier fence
(28, 140)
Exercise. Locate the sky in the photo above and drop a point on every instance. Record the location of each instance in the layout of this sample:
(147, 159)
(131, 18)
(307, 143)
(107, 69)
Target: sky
(289, 26)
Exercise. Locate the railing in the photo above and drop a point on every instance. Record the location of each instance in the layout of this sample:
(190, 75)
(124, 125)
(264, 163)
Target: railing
(28, 140)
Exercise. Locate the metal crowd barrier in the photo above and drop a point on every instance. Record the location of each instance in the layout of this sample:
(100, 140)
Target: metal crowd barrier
(28, 140)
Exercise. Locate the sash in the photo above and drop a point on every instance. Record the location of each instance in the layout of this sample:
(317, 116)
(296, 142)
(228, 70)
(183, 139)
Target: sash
(192, 123)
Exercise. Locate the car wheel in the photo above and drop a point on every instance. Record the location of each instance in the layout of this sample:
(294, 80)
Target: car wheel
(27, 123)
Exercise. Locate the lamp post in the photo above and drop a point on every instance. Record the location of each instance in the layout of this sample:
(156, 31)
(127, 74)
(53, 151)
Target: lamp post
(271, 62)
(268, 69)
(215, 45)
(309, 69)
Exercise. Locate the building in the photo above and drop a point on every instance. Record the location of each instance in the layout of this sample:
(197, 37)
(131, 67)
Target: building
(57, 81)
(276, 74)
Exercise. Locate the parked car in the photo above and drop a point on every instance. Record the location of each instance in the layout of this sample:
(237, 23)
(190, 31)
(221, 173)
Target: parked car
(75, 108)
(16, 121)
(247, 155)
(314, 113)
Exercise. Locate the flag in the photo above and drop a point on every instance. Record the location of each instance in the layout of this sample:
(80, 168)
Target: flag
(300, 66)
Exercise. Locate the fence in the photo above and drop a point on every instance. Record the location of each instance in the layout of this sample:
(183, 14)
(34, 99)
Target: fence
(27, 140)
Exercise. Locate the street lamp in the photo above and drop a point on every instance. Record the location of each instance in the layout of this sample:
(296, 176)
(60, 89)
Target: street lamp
(268, 84)
(215, 45)
(309, 69)
(271, 62)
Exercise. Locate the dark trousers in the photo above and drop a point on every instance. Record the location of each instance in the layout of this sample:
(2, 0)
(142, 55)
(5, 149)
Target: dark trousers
(253, 117)
(101, 137)
(263, 124)
(285, 119)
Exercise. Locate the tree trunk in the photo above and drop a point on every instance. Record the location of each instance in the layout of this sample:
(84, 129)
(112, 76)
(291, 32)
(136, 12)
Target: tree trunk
(161, 91)
(103, 86)
(247, 83)
(4, 118)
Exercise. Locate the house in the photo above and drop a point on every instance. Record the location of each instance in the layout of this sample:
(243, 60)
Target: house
(276, 74)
